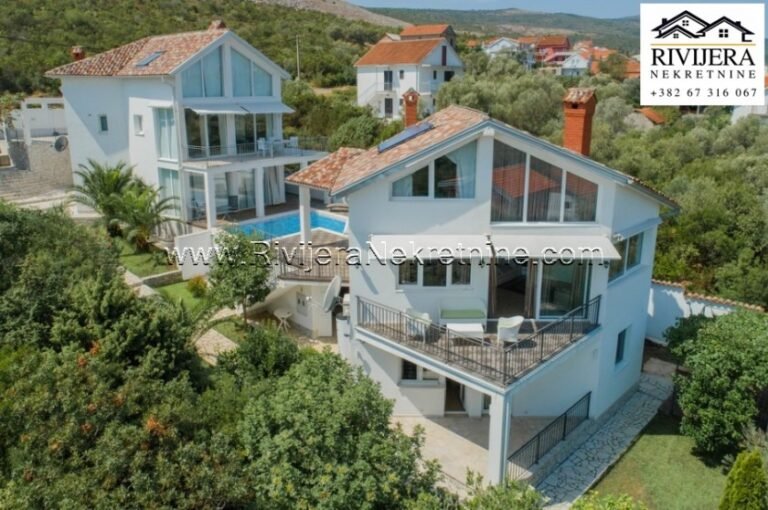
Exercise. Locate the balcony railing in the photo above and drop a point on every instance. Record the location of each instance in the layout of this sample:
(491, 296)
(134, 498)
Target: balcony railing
(480, 356)
(311, 270)
(216, 155)
(388, 86)
(550, 436)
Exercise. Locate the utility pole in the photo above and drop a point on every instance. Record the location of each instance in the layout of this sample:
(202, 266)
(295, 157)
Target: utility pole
(298, 60)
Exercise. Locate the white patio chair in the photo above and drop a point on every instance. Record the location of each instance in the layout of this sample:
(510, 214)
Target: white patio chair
(261, 146)
(293, 144)
(508, 329)
(417, 323)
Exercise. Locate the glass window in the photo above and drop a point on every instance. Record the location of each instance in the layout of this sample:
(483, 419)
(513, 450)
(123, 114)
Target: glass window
(262, 82)
(103, 123)
(194, 124)
(169, 188)
(508, 183)
(428, 375)
(544, 190)
(212, 74)
(620, 345)
(455, 173)
(245, 130)
(435, 273)
(461, 272)
(413, 185)
(138, 125)
(616, 268)
(580, 199)
(410, 371)
(241, 75)
(634, 250)
(167, 144)
(563, 288)
(197, 197)
(408, 273)
(216, 137)
(192, 81)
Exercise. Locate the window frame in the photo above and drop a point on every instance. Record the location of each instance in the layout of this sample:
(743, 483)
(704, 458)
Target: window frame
(138, 124)
(625, 268)
(103, 123)
(432, 193)
(449, 275)
(620, 354)
(422, 374)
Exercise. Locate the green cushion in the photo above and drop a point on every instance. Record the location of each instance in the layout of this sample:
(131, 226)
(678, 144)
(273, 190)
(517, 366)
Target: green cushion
(462, 314)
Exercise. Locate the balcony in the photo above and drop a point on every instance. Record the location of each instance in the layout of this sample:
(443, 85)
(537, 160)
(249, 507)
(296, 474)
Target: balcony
(485, 358)
(212, 156)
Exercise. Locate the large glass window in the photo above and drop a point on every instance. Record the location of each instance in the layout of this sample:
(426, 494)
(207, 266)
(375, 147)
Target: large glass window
(580, 199)
(194, 125)
(631, 251)
(245, 134)
(196, 197)
(167, 144)
(634, 250)
(203, 78)
(544, 190)
(563, 288)
(169, 188)
(241, 75)
(455, 173)
(216, 135)
(262, 82)
(412, 185)
(192, 81)
(508, 183)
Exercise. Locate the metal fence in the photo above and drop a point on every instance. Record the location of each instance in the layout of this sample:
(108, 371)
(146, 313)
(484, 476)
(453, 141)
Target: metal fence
(294, 146)
(312, 270)
(550, 436)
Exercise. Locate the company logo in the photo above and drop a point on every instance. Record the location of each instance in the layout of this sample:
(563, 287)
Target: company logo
(702, 54)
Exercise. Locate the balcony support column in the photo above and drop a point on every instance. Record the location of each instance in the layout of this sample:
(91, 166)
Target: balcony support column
(305, 220)
(498, 437)
(210, 201)
(258, 190)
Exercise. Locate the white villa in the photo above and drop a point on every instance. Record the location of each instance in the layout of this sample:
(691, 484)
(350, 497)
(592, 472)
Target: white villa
(198, 114)
(525, 53)
(393, 66)
(552, 340)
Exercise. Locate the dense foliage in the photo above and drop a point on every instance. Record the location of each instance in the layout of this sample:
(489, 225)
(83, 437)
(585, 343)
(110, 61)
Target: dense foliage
(728, 363)
(747, 484)
(37, 34)
(594, 501)
(104, 403)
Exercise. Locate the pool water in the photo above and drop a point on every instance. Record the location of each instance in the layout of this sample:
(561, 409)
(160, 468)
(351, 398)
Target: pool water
(288, 224)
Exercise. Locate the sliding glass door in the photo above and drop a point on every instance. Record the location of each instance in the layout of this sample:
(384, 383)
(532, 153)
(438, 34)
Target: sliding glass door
(564, 287)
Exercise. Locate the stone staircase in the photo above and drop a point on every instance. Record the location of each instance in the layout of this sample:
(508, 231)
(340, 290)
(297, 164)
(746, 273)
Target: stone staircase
(20, 186)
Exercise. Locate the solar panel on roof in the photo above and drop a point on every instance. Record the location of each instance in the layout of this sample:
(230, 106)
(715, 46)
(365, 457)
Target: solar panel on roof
(405, 135)
(144, 62)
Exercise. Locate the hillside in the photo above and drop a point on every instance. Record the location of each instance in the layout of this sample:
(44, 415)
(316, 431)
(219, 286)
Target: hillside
(338, 8)
(623, 33)
(36, 35)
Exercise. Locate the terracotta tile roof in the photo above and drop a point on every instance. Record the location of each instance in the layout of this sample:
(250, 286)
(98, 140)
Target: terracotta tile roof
(121, 61)
(322, 174)
(652, 115)
(632, 69)
(387, 52)
(711, 299)
(425, 30)
(545, 40)
(579, 95)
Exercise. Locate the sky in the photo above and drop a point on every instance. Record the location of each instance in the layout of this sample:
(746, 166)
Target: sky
(604, 9)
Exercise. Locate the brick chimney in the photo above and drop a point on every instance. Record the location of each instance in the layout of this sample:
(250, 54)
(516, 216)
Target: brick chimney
(217, 24)
(411, 101)
(77, 53)
(578, 108)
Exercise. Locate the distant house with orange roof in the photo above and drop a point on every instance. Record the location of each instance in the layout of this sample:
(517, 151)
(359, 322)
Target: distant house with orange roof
(421, 59)
(544, 44)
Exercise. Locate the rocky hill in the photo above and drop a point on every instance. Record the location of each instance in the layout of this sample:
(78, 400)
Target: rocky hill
(339, 8)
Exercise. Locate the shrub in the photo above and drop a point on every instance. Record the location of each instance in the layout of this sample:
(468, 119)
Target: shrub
(508, 495)
(594, 501)
(197, 286)
(747, 484)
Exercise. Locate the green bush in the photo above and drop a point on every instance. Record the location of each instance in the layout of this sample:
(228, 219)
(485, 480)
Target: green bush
(197, 286)
(747, 484)
(594, 501)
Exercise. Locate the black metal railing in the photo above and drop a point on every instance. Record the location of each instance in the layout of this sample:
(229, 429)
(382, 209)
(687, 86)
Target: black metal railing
(482, 356)
(550, 436)
(311, 269)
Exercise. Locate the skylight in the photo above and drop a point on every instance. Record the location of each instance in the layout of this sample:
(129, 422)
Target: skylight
(144, 62)
(405, 135)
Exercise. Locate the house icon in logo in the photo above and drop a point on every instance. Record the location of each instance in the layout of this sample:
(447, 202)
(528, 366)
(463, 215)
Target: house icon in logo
(687, 25)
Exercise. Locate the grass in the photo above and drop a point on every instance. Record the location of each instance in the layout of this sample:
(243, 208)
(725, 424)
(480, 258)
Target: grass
(178, 292)
(661, 471)
(142, 263)
(231, 328)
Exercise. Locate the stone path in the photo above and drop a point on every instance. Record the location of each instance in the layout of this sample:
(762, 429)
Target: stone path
(588, 463)
(211, 344)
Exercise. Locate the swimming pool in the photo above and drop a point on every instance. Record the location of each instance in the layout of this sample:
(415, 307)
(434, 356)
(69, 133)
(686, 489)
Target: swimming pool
(288, 224)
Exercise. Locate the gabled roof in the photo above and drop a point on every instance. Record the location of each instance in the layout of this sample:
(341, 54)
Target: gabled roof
(121, 61)
(425, 30)
(322, 174)
(545, 40)
(386, 52)
(576, 62)
(725, 19)
(450, 125)
(684, 14)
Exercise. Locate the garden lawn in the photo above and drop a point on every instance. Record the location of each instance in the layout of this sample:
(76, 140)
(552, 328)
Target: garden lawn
(139, 263)
(231, 328)
(178, 292)
(660, 470)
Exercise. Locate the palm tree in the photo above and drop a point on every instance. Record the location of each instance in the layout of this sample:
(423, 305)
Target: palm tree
(101, 190)
(142, 211)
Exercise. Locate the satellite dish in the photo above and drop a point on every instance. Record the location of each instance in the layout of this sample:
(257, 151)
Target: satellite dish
(331, 298)
(61, 143)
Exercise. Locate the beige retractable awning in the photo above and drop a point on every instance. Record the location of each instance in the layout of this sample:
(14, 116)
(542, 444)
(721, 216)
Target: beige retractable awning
(240, 108)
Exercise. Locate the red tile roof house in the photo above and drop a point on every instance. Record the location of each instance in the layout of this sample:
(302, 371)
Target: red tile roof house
(422, 60)
(451, 326)
(199, 114)
(547, 43)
